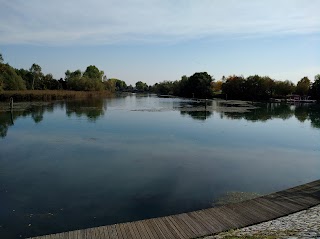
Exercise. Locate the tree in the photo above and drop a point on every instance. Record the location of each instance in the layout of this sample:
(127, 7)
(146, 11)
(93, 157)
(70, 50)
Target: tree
(110, 85)
(283, 88)
(141, 86)
(315, 90)
(9, 79)
(26, 76)
(258, 88)
(90, 80)
(36, 74)
(49, 83)
(199, 85)
(118, 85)
(1, 59)
(92, 72)
(217, 86)
(303, 86)
(121, 85)
(234, 87)
(164, 88)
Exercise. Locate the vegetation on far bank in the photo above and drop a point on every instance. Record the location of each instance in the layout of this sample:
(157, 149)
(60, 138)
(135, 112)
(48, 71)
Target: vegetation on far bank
(33, 84)
(49, 95)
(257, 88)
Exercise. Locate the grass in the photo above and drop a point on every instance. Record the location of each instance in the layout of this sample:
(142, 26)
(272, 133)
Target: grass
(257, 236)
(266, 234)
(50, 95)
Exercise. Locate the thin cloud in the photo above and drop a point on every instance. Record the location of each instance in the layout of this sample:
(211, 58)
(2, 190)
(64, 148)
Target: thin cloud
(111, 22)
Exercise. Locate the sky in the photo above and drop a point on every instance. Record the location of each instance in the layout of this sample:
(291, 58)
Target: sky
(161, 40)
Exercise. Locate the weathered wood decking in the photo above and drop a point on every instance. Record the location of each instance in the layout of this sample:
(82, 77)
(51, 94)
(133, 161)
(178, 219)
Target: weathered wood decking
(207, 221)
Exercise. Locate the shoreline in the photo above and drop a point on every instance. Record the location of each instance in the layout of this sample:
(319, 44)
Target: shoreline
(211, 221)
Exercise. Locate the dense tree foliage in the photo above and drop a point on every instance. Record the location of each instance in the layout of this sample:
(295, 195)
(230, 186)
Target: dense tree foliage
(283, 88)
(217, 86)
(303, 86)
(255, 87)
(9, 79)
(315, 89)
(92, 72)
(37, 76)
(198, 86)
(92, 79)
(117, 84)
(234, 87)
(141, 86)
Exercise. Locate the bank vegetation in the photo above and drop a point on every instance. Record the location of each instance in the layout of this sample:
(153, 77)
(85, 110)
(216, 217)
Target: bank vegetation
(33, 84)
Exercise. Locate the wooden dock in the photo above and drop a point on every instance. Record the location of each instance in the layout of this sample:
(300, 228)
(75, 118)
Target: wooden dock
(208, 221)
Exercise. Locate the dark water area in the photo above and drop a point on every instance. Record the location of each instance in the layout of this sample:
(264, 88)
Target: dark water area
(79, 164)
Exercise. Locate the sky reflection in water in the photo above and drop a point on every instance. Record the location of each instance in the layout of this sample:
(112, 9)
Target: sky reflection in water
(71, 165)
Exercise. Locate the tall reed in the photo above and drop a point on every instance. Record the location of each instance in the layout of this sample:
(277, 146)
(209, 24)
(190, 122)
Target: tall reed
(50, 95)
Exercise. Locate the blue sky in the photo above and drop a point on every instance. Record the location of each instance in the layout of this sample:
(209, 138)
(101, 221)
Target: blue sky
(157, 40)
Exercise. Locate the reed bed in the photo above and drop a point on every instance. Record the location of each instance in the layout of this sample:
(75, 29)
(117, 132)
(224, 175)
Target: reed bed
(50, 95)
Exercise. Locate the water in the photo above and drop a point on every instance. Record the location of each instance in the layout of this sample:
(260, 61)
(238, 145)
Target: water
(72, 165)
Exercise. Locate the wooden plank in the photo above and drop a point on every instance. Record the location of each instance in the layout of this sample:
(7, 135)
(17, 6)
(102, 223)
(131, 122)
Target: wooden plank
(93, 232)
(209, 228)
(181, 226)
(276, 207)
(113, 234)
(268, 210)
(258, 208)
(155, 231)
(191, 224)
(304, 201)
(253, 214)
(229, 218)
(148, 229)
(168, 229)
(194, 220)
(214, 222)
(164, 231)
(143, 233)
(287, 205)
(134, 231)
(119, 232)
(173, 227)
(126, 231)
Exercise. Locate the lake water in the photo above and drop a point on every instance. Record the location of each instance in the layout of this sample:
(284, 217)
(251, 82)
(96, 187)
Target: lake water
(79, 164)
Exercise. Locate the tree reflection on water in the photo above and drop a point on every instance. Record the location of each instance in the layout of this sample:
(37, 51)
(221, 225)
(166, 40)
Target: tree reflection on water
(95, 109)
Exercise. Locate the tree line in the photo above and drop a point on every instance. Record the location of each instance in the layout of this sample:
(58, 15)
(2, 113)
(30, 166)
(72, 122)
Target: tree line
(202, 85)
(198, 85)
(263, 88)
(92, 79)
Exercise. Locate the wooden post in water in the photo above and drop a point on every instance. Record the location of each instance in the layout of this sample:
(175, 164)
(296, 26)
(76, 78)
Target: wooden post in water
(11, 110)
(11, 114)
(11, 103)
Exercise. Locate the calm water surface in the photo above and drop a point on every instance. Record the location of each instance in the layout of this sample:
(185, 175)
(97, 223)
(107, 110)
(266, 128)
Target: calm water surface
(72, 165)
